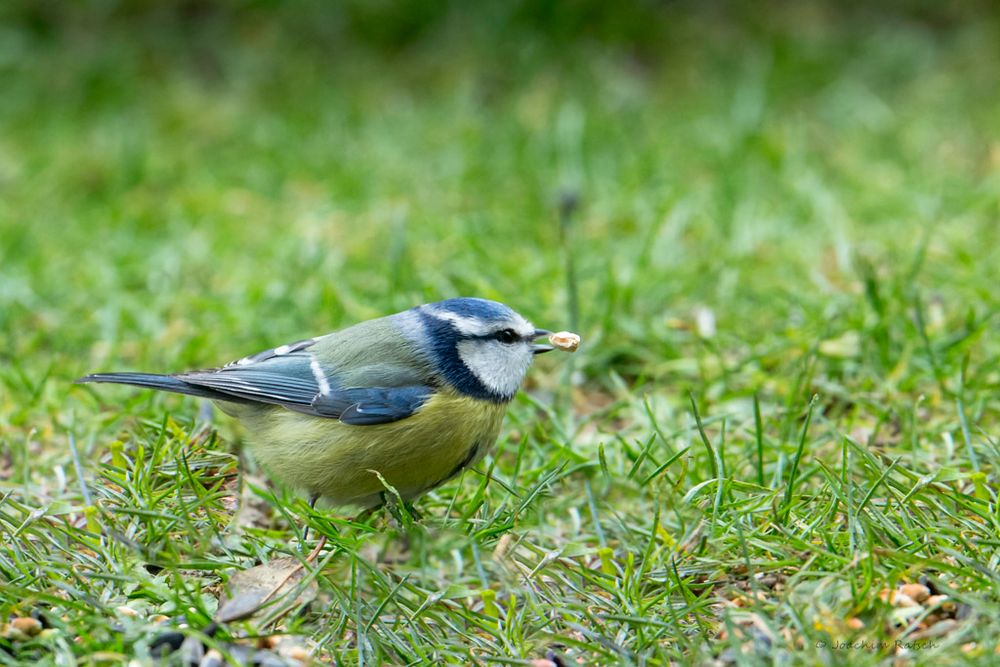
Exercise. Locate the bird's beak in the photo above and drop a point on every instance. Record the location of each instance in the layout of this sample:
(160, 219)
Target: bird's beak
(539, 349)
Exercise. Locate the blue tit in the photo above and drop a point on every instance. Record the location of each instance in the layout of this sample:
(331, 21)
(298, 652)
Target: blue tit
(413, 397)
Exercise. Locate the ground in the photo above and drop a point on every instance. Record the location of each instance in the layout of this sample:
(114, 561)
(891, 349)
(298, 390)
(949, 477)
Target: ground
(776, 230)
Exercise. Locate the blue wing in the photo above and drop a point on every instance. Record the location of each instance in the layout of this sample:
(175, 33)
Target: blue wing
(292, 377)
(365, 406)
(287, 380)
(298, 381)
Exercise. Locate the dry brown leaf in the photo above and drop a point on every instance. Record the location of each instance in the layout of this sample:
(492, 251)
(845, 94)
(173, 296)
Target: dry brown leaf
(266, 586)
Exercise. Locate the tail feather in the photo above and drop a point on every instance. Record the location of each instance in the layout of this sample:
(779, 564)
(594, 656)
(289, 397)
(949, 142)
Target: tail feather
(160, 382)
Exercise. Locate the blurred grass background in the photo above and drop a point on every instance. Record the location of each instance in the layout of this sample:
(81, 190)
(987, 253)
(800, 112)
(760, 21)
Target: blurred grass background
(779, 199)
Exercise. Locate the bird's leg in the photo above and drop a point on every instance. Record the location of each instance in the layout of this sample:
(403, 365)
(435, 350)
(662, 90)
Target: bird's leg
(407, 520)
(399, 515)
(414, 513)
(313, 497)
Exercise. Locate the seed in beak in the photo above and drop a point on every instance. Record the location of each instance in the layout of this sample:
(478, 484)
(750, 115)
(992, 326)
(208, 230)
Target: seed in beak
(566, 341)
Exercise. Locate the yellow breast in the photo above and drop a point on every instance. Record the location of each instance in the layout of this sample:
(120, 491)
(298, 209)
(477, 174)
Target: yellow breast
(337, 460)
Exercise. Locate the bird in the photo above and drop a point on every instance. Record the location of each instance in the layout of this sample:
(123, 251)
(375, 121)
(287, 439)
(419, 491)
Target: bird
(408, 400)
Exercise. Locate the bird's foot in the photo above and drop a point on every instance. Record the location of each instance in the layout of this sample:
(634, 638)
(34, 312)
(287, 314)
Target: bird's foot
(402, 511)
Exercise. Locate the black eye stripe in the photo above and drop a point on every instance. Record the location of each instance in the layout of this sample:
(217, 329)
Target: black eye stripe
(506, 336)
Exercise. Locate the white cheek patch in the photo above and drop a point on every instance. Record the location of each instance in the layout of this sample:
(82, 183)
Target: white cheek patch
(501, 368)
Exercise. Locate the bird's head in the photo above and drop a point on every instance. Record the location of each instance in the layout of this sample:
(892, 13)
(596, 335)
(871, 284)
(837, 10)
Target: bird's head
(481, 348)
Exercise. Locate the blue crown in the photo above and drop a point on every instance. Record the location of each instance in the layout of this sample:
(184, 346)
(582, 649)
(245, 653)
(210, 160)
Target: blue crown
(483, 309)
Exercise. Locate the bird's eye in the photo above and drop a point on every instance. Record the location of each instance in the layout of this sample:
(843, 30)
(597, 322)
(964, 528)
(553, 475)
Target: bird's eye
(507, 336)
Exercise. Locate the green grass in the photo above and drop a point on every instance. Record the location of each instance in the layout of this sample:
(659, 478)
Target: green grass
(785, 256)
